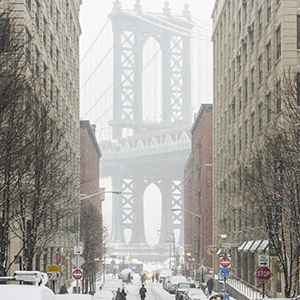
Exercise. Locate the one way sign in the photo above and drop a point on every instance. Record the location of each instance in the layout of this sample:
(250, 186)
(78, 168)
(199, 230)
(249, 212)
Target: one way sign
(263, 260)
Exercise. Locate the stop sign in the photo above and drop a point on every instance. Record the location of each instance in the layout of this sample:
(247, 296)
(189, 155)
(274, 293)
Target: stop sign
(77, 274)
(263, 274)
(225, 262)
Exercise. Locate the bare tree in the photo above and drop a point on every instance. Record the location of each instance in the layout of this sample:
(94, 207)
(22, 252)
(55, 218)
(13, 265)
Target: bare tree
(272, 179)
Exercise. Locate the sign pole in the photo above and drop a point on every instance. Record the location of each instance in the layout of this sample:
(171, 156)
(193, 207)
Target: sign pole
(77, 266)
(224, 287)
(263, 290)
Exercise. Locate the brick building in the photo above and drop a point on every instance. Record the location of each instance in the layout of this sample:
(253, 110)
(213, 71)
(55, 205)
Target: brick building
(198, 233)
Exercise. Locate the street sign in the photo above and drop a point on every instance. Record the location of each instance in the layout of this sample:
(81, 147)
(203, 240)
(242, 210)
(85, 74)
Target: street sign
(263, 274)
(80, 261)
(77, 274)
(263, 260)
(53, 276)
(73, 235)
(225, 262)
(225, 272)
(51, 269)
(77, 250)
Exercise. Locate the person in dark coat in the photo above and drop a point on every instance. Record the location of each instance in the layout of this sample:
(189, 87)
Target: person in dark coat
(118, 295)
(210, 286)
(63, 289)
(143, 292)
(129, 278)
(123, 294)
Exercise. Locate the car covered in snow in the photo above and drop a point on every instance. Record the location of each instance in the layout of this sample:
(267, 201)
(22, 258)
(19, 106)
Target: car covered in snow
(194, 294)
(164, 274)
(74, 297)
(26, 292)
(171, 283)
(104, 295)
(183, 287)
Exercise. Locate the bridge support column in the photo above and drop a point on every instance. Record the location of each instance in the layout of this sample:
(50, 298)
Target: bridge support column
(117, 231)
(138, 227)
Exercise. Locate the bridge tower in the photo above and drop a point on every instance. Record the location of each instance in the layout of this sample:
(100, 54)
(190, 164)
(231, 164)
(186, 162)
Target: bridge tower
(153, 153)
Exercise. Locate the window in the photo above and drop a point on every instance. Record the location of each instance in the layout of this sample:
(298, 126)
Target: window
(251, 34)
(240, 99)
(260, 20)
(37, 62)
(298, 32)
(298, 89)
(234, 145)
(51, 8)
(51, 45)
(252, 81)
(246, 132)
(57, 19)
(278, 95)
(28, 3)
(278, 40)
(269, 56)
(260, 116)
(269, 107)
(45, 77)
(233, 70)
(245, 50)
(28, 47)
(260, 69)
(45, 31)
(233, 108)
(240, 139)
(246, 90)
(239, 64)
(57, 99)
(4, 35)
(245, 11)
(252, 125)
(240, 20)
(268, 10)
(51, 88)
(57, 59)
(37, 14)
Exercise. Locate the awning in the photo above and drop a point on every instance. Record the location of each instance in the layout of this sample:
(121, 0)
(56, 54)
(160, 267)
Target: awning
(263, 246)
(247, 246)
(255, 246)
(240, 248)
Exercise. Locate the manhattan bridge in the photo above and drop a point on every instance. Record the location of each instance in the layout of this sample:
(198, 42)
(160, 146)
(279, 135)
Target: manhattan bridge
(147, 136)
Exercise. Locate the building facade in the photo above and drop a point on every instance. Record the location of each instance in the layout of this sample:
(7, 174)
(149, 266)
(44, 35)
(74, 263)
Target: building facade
(51, 32)
(198, 234)
(254, 43)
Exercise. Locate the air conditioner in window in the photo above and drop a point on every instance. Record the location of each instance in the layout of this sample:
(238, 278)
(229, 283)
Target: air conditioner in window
(243, 41)
(250, 28)
(238, 53)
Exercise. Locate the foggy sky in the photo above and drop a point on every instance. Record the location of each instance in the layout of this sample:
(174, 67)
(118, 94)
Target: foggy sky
(93, 16)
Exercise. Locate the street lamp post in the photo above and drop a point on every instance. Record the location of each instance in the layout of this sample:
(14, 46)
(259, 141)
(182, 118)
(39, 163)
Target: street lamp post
(170, 246)
(78, 248)
(200, 230)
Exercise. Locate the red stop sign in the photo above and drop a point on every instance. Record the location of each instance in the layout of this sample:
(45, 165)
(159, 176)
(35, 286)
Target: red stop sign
(263, 274)
(225, 262)
(77, 274)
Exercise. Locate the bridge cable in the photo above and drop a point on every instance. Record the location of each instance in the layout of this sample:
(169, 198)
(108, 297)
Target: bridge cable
(110, 86)
(97, 67)
(94, 42)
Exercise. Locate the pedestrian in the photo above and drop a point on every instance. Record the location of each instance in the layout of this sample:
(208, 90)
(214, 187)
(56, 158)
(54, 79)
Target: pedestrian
(114, 273)
(210, 286)
(118, 295)
(156, 277)
(152, 277)
(143, 278)
(123, 294)
(63, 289)
(143, 292)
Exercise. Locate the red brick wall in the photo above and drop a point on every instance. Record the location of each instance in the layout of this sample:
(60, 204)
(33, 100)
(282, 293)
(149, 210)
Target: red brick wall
(198, 189)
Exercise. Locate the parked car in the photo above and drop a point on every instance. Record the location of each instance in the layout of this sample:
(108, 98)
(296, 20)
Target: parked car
(74, 297)
(26, 292)
(172, 283)
(183, 287)
(124, 275)
(164, 274)
(194, 294)
(104, 295)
